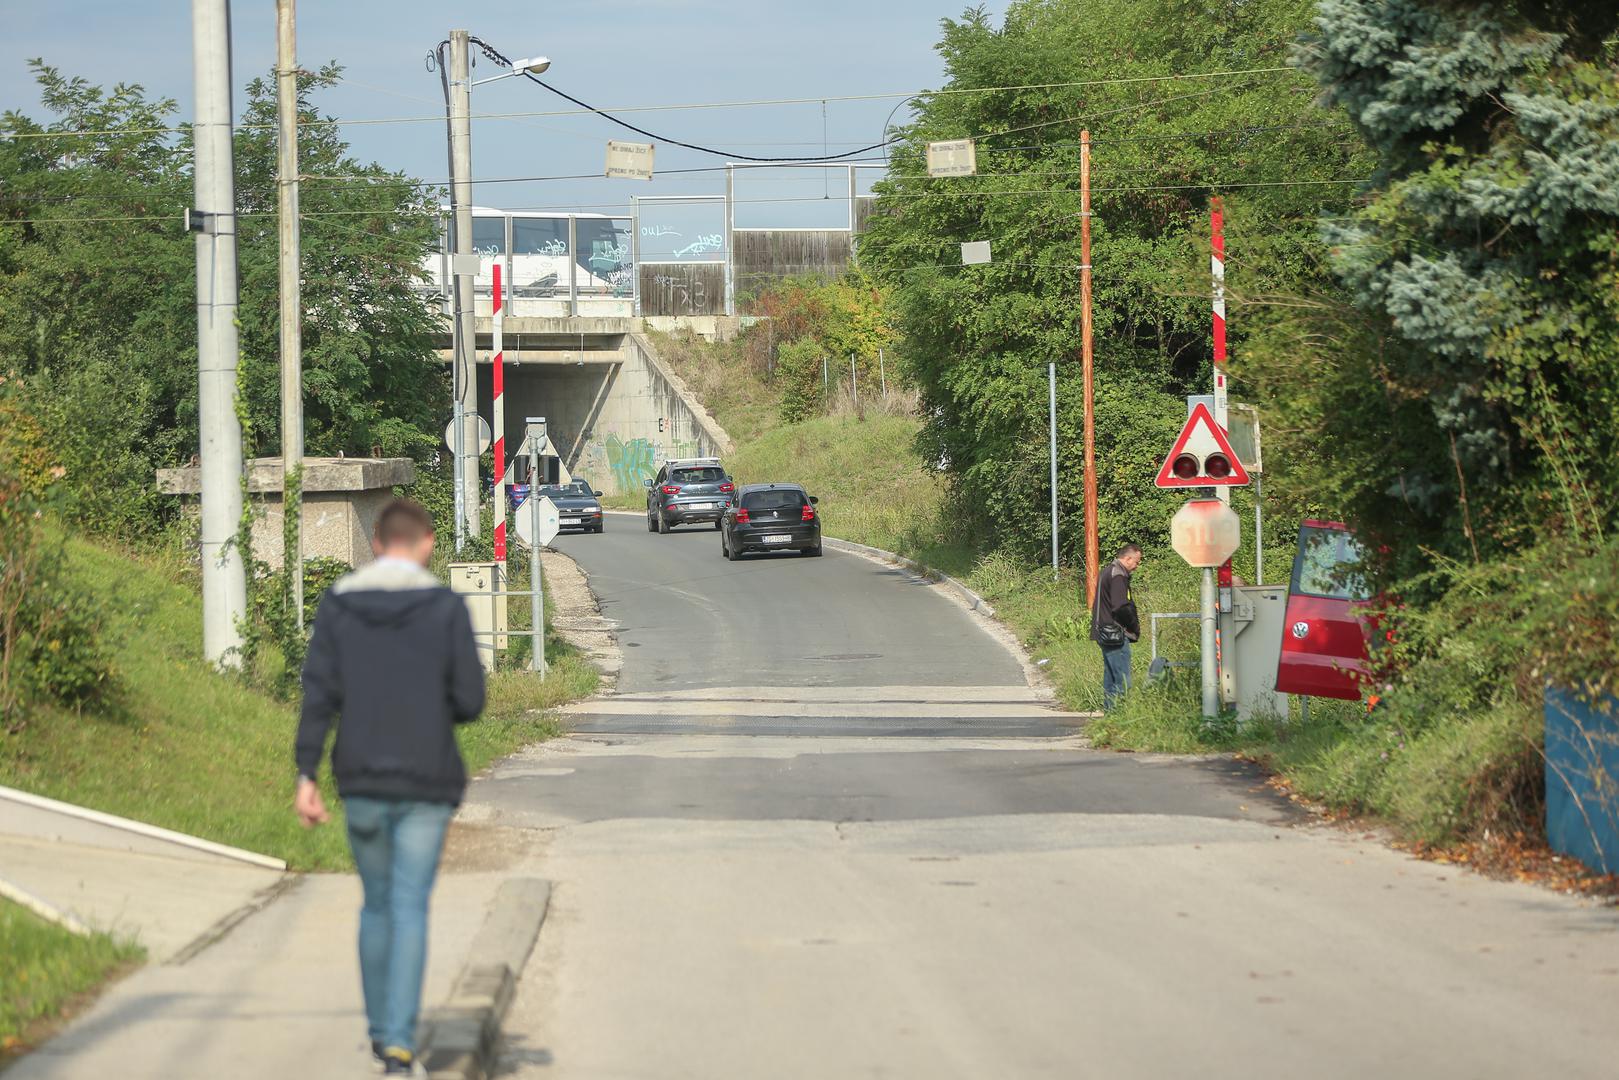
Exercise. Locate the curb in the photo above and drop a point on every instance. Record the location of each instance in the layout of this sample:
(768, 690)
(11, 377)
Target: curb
(463, 1034)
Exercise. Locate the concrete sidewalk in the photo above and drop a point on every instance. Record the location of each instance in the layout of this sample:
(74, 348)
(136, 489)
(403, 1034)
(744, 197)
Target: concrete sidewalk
(164, 902)
(159, 888)
(279, 995)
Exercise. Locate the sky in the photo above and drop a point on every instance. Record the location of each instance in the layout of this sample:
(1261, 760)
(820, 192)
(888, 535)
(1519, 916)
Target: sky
(611, 53)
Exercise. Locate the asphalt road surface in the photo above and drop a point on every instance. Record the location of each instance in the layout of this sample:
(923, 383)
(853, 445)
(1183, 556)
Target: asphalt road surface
(826, 830)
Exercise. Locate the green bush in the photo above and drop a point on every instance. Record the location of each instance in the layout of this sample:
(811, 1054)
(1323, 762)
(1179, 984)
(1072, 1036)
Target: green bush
(50, 644)
(798, 373)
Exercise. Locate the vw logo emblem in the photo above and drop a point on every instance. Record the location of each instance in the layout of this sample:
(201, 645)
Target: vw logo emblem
(1301, 629)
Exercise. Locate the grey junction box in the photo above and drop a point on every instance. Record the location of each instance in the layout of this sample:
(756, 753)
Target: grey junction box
(1251, 647)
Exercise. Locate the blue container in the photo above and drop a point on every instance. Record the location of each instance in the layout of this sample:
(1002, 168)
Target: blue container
(1582, 777)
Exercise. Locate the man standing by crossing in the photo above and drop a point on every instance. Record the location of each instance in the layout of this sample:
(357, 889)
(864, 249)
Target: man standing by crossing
(1114, 622)
(393, 652)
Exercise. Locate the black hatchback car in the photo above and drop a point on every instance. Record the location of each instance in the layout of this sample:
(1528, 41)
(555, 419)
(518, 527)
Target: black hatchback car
(770, 517)
(578, 506)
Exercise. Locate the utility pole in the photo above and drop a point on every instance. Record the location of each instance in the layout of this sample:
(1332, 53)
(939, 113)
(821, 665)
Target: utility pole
(465, 378)
(1093, 557)
(292, 376)
(224, 577)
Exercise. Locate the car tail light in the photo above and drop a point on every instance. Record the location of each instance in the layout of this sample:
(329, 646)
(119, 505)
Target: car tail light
(809, 513)
(670, 489)
(741, 515)
(727, 488)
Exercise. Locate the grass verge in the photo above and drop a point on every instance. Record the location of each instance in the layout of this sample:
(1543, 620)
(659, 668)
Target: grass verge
(43, 967)
(188, 749)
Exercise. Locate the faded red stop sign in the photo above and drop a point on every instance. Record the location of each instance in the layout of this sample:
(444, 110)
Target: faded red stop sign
(1205, 532)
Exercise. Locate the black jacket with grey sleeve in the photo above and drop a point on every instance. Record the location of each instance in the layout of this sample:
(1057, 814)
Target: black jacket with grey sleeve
(392, 659)
(1114, 607)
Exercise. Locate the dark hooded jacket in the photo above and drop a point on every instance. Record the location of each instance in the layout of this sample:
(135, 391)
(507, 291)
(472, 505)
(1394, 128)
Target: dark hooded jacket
(393, 654)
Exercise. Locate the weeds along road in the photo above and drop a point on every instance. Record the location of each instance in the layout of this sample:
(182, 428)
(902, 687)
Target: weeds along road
(825, 830)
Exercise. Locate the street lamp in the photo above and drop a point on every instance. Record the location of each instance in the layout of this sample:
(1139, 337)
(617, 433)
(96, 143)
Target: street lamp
(529, 65)
(456, 79)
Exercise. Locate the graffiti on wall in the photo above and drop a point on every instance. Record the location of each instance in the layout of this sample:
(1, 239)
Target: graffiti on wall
(631, 462)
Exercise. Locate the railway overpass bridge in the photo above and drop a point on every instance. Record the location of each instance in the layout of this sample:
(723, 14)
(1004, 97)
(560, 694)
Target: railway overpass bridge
(614, 408)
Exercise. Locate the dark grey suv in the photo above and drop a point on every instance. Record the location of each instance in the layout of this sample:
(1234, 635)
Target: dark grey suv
(687, 491)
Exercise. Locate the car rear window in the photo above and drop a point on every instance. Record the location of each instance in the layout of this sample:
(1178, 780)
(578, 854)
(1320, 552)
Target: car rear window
(775, 499)
(698, 476)
(1328, 565)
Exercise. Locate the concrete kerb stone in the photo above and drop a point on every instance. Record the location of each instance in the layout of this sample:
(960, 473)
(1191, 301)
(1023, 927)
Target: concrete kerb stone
(463, 1035)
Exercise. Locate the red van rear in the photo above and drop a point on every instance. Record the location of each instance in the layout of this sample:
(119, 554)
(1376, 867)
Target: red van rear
(1324, 637)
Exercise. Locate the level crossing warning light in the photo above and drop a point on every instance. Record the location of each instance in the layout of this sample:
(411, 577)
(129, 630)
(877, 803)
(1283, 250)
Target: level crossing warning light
(1202, 456)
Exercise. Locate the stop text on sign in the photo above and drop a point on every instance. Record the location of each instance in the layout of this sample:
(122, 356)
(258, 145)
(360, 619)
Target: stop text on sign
(1205, 532)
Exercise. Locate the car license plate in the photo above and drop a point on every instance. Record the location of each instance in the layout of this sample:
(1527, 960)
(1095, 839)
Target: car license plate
(699, 506)
(778, 538)
(570, 521)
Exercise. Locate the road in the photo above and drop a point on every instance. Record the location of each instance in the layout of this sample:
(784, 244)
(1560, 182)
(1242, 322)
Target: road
(826, 830)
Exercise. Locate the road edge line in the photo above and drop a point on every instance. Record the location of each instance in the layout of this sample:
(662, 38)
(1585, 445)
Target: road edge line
(463, 1034)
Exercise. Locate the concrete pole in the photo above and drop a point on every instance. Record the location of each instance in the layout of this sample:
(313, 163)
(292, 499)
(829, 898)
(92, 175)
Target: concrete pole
(1206, 659)
(292, 378)
(854, 381)
(224, 575)
(466, 382)
(1051, 382)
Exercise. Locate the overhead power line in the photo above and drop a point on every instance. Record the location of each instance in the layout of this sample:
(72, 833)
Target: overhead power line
(1208, 185)
(688, 106)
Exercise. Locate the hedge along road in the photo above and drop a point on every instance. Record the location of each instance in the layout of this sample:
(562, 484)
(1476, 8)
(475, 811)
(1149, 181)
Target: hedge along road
(748, 882)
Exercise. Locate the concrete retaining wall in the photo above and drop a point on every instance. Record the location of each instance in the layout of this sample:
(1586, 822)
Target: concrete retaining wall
(614, 419)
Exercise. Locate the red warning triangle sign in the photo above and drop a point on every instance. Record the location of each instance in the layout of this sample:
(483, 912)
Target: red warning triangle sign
(1200, 440)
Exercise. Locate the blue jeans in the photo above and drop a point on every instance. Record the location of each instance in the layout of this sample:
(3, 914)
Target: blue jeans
(1115, 673)
(396, 845)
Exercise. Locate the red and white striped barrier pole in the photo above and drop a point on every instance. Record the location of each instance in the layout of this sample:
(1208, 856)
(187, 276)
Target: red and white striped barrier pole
(1217, 270)
(499, 376)
(1221, 416)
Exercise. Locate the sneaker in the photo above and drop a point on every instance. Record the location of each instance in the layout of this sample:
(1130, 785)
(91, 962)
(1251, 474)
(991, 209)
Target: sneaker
(377, 1060)
(398, 1062)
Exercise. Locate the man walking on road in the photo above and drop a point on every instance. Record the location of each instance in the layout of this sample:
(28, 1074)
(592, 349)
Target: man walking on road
(1114, 622)
(392, 652)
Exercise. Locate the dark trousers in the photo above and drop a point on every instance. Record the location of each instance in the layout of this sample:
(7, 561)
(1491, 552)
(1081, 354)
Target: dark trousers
(1115, 673)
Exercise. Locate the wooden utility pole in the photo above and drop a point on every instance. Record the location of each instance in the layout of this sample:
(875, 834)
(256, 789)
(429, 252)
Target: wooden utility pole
(292, 376)
(1093, 555)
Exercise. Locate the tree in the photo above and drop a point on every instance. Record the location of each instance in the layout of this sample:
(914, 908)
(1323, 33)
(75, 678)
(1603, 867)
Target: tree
(977, 340)
(97, 289)
(1478, 357)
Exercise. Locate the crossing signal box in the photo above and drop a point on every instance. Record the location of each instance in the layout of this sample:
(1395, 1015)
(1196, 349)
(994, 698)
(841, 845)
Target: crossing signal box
(1202, 456)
